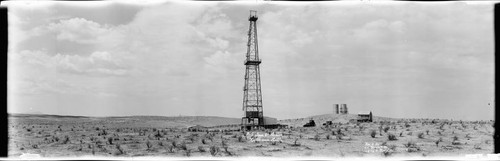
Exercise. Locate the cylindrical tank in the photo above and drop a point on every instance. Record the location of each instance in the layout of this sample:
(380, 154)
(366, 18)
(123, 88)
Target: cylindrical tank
(343, 108)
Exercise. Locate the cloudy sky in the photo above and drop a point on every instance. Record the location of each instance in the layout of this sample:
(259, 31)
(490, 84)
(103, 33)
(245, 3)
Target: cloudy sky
(400, 59)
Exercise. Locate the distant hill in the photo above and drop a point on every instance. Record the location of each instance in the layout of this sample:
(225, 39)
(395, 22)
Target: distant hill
(137, 121)
(186, 121)
(190, 120)
(43, 115)
(320, 119)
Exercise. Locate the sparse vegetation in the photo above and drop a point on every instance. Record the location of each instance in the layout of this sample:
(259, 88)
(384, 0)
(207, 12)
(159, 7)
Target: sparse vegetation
(102, 139)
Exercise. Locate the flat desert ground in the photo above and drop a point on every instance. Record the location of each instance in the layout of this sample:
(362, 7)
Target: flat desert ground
(155, 136)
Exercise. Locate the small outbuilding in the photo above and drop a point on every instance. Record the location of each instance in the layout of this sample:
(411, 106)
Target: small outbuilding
(365, 117)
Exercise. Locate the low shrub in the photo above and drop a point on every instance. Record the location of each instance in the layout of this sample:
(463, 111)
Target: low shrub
(420, 135)
(183, 146)
(214, 150)
(110, 140)
(170, 149)
(119, 149)
(187, 152)
(373, 133)
(201, 149)
(149, 145)
(295, 143)
(317, 137)
(386, 129)
(391, 137)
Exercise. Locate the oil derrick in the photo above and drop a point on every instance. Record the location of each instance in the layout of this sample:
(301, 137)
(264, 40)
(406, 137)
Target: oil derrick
(252, 95)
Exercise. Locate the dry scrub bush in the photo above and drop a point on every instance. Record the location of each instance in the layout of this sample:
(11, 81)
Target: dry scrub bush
(149, 145)
(224, 143)
(420, 135)
(214, 150)
(438, 141)
(389, 151)
(373, 133)
(201, 149)
(295, 143)
(119, 149)
(183, 146)
(339, 137)
(110, 140)
(170, 149)
(66, 139)
(174, 144)
(386, 129)
(240, 139)
(411, 147)
(391, 137)
(187, 152)
(317, 137)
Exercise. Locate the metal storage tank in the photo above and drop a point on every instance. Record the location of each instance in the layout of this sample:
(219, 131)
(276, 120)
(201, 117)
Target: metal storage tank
(343, 108)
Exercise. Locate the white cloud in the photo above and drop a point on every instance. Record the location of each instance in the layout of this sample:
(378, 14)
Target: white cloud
(98, 63)
(218, 43)
(311, 55)
(221, 62)
(77, 30)
(44, 86)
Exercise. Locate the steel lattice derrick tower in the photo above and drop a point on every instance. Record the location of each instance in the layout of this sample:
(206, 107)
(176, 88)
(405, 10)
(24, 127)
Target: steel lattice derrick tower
(252, 95)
